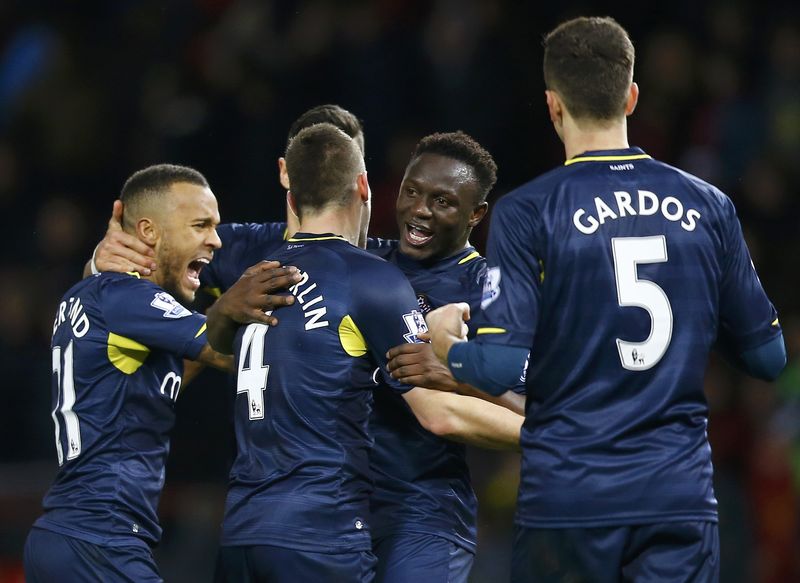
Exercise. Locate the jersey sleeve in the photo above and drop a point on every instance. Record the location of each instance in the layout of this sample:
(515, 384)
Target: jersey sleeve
(511, 294)
(747, 319)
(141, 311)
(243, 245)
(387, 314)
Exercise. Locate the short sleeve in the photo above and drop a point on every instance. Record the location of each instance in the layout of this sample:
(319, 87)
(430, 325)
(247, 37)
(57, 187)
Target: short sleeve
(511, 294)
(243, 245)
(387, 314)
(140, 310)
(747, 318)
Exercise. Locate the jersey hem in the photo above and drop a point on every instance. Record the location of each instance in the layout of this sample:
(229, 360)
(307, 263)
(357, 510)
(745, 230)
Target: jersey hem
(710, 516)
(104, 541)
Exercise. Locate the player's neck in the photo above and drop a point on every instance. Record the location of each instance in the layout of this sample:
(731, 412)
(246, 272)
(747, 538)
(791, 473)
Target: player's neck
(580, 138)
(336, 221)
(292, 222)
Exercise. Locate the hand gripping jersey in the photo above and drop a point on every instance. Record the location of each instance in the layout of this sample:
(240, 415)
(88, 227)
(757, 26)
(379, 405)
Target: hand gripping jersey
(118, 344)
(620, 272)
(422, 481)
(301, 475)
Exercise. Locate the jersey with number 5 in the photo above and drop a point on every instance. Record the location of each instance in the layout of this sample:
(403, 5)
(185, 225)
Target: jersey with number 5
(117, 348)
(620, 272)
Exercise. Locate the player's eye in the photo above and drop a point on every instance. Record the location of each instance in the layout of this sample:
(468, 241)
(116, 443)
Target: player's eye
(442, 201)
(411, 191)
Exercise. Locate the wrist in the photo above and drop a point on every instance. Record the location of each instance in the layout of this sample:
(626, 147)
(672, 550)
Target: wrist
(92, 263)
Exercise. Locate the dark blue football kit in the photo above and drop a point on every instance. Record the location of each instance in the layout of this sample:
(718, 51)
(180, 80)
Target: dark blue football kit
(422, 488)
(301, 478)
(117, 355)
(619, 273)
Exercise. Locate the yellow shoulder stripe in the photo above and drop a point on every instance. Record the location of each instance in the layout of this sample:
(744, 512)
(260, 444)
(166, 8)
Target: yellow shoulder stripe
(470, 257)
(332, 237)
(213, 291)
(491, 331)
(606, 158)
(775, 322)
(125, 354)
(134, 274)
(351, 337)
(201, 330)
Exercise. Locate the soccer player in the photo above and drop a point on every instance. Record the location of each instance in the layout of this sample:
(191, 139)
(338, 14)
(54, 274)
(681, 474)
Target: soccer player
(297, 504)
(117, 348)
(423, 498)
(619, 273)
(423, 506)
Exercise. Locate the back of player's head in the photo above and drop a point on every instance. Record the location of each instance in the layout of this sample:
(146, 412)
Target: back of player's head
(461, 147)
(323, 164)
(334, 115)
(588, 61)
(144, 192)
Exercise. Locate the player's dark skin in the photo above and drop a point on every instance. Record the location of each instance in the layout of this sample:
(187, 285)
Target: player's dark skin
(437, 208)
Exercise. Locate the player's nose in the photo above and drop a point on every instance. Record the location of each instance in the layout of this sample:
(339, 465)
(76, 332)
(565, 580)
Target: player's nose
(213, 240)
(421, 207)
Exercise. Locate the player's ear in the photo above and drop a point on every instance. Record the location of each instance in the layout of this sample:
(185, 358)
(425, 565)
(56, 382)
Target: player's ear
(633, 99)
(363, 187)
(283, 174)
(147, 231)
(477, 214)
(554, 107)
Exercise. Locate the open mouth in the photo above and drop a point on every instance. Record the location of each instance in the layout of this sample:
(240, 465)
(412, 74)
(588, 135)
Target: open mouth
(417, 236)
(194, 269)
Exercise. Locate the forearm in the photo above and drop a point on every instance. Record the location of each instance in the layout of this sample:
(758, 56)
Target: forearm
(221, 329)
(510, 400)
(466, 419)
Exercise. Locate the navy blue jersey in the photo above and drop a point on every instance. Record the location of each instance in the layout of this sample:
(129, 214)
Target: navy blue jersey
(118, 344)
(301, 475)
(243, 245)
(422, 481)
(620, 272)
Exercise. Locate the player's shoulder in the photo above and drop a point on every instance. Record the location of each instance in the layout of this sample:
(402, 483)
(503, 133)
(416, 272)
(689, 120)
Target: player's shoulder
(704, 189)
(253, 232)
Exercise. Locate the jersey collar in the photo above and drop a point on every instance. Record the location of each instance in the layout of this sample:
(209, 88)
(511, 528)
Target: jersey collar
(465, 255)
(622, 155)
(305, 237)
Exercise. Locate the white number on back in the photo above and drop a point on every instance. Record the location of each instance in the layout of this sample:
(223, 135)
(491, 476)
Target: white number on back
(252, 377)
(66, 397)
(629, 252)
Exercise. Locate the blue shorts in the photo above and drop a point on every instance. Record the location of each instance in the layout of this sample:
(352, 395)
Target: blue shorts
(418, 558)
(270, 564)
(50, 556)
(664, 552)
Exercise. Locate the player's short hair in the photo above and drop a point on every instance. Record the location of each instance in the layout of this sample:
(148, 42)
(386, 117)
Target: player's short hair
(588, 61)
(462, 147)
(323, 163)
(334, 115)
(146, 187)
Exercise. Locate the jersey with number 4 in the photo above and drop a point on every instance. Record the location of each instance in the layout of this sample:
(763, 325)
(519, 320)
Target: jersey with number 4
(620, 272)
(118, 344)
(304, 391)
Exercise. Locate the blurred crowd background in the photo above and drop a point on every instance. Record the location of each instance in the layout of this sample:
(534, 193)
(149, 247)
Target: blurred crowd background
(91, 91)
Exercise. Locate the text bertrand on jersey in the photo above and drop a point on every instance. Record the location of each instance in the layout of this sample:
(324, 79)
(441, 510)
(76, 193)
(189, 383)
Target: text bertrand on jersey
(647, 203)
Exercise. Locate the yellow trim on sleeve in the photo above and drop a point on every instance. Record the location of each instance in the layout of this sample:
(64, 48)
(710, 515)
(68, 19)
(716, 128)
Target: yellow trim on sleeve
(491, 331)
(351, 337)
(201, 330)
(125, 354)
(541, 271)
(470, 257)
(606, 158)
(775, 323)
(213, 291)
(134, 274)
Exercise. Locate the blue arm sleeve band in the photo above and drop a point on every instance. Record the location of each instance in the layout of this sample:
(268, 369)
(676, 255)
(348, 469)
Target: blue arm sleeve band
(767, 361)
(491, 368)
